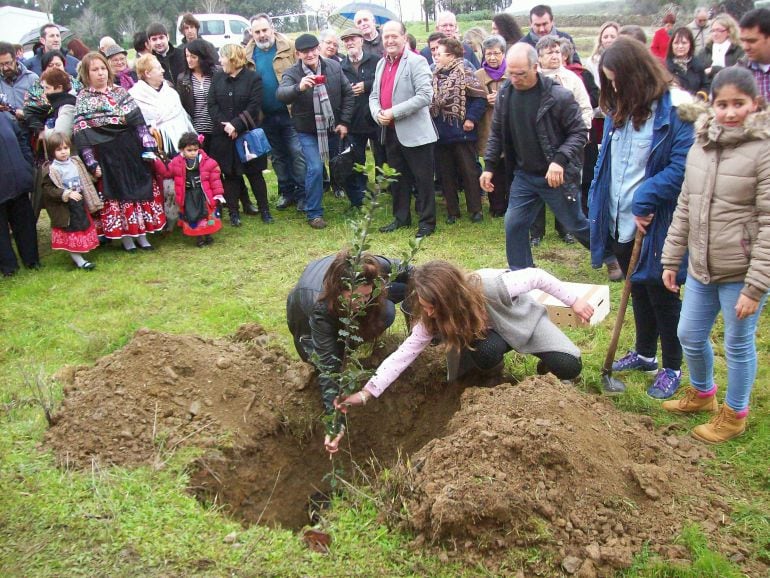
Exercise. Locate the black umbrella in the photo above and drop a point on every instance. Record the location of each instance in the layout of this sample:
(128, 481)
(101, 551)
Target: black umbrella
(342, 17)
(32, 37)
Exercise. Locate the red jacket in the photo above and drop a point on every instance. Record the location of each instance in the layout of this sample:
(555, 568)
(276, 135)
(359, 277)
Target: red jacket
(211, 177)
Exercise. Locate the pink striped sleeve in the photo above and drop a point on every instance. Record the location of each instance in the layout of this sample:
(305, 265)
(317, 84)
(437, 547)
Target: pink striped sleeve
(524, 280)
(399, 360)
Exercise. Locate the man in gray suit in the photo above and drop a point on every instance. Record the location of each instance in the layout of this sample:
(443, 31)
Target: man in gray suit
(399, 101)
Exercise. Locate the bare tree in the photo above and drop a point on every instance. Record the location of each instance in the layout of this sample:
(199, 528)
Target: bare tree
(212, 6)
(127, 26)
(90, 26)
(47, 7)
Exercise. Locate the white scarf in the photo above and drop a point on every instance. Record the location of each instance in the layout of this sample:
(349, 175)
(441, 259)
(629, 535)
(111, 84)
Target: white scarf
(162, 110)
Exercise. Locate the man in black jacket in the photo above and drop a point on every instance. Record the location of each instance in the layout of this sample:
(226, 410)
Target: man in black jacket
(538, 128)
(321, 102)
(541, 24)
(171, 59)
(312, 304)
(359, 68)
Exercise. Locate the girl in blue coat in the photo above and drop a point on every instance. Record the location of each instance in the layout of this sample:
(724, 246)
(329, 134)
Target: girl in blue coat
(637, 181)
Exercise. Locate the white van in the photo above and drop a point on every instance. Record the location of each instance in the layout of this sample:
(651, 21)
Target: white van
(219, 29)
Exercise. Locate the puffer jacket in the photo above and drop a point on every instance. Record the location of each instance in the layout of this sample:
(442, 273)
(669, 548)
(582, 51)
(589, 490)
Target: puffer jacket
(211, 177)
(723, 214)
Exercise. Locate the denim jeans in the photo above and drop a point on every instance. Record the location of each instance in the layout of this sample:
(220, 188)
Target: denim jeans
(288, 162)
(702, 303)
(314, 164)
(528, 193)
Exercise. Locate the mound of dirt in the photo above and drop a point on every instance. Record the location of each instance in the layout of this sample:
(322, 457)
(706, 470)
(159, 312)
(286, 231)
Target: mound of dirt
(541, 465)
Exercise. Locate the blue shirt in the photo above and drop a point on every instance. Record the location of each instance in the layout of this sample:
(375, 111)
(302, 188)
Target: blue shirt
(263, 61)
(628, 162)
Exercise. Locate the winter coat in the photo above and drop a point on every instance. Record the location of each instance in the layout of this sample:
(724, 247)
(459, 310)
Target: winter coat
(694, 79)
(35, 63)
(211, 177)
(174, 63)
(15, 161)
(15, 90)
(664, 173)
(337, 86)
(55, 201)
(309, 318)
(485, 125)
(660, 41)
(284, 54)
(723, 215)
(560, 131)
(229, 97)
(734, 54)
(361, 121)
(531, 39)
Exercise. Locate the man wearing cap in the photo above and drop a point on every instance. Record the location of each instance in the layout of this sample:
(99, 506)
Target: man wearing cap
(272, 54)
(359, 68)
(367, 25)
(399, 102)
(50, 39)
(321, 100)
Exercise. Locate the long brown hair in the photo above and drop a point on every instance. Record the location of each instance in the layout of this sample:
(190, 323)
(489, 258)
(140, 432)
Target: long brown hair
(459, 306)
(640, 80)
(341, 276)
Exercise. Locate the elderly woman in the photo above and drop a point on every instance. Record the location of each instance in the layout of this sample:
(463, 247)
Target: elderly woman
(330, 44)
(234, 102)
(723, 48)
(193, 86)
(36, 102)
(459, 102)
(491, 75)
(118, 59)
(115, 144)
(688, 70)
(160, 103)
(59, 110)
(608, 33)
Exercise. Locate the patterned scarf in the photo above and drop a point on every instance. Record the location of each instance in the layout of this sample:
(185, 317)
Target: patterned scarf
(681, 64)
(324, 115)
(95, 109)
(452, 86)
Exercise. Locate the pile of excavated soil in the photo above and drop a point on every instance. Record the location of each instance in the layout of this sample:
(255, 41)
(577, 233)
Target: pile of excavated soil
(541, 465)
(491, 471)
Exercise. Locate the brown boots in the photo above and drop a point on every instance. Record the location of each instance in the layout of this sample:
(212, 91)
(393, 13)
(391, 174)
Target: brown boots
(725, 425)
(692, 403)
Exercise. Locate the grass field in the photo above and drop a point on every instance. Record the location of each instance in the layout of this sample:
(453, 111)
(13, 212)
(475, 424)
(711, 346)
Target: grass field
(142, 522)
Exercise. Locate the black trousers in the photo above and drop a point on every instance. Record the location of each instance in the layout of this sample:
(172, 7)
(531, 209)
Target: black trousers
(415, 164)
(656, 314)
(454, 162)
(498, 199)
(17, 214)
(235, 188)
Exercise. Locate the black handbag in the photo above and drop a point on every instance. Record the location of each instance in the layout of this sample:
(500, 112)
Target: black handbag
(341, 165)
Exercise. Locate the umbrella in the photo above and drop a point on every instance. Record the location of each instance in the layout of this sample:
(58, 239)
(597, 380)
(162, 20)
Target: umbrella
(343, 17)
(29, 40)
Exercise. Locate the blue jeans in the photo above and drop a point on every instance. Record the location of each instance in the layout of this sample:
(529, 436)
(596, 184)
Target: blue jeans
(702, 303)
(314, 188)
(528, 193)
(286, 156)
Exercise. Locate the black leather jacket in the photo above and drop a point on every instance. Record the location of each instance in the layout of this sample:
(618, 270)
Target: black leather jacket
(315, 329)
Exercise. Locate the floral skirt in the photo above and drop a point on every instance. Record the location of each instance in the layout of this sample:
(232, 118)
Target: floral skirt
(132, 218)
(75, 241)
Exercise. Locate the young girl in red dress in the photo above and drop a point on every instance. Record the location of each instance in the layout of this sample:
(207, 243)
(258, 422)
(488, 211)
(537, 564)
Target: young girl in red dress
(69, 197)
(198, 186)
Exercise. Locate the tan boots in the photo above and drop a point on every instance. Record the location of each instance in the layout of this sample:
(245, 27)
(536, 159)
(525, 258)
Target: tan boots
(725, 425)
(692, 403)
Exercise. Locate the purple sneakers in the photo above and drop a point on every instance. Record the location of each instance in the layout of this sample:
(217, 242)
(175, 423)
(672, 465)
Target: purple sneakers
(665, 385)
(632, 362)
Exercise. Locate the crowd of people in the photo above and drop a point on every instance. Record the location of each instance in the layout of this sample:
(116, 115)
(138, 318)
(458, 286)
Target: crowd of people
(616, 147)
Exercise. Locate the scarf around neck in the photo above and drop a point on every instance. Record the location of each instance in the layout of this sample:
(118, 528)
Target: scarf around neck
(452, 86)
(495, 73)
(324, 115)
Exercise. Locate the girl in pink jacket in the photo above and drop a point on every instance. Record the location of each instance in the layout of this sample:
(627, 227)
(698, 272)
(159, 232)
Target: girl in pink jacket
(198, 186)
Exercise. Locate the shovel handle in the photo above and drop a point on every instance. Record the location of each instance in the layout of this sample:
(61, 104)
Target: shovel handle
(607, 367)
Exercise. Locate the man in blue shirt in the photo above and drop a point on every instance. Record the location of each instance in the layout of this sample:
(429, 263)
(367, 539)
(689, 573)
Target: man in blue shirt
(272, 54)
(50, 39)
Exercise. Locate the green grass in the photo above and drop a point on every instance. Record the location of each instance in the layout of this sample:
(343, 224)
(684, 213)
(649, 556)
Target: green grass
(123, 522)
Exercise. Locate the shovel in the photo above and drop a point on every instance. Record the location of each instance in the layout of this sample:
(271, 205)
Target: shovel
(612, 385)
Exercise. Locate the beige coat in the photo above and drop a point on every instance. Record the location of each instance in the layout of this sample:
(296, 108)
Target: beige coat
(284, 54)
(486, 121)
(723, 213)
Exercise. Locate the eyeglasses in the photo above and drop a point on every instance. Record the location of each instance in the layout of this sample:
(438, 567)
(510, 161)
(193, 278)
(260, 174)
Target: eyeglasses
(519, 74)
(718, 29)
(493, 53)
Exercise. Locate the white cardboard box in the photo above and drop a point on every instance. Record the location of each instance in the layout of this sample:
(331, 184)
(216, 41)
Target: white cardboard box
(564, 316)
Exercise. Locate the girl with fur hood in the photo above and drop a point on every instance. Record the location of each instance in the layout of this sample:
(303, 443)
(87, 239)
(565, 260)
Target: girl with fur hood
(69, 197)
(198, 187)
(723, 220)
